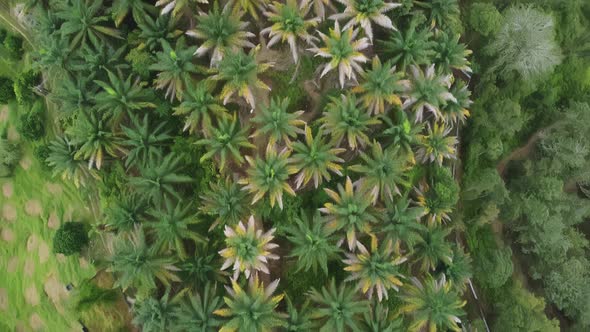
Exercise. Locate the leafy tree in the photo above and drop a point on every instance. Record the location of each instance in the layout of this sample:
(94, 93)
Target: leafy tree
(338, 309)
(247, 249)
(450, 54)
(484, 18)
(140, 60)
(155, 32)
(377, 269)
(62, 160)
(226, 201)
(126, 212)
(31, 123)
(566, 286)
(402, 222)
(274, 121)
(137, 264)
(70, 238)
(145, 143)
(155, 314)
(6, 90)
(343, 52)
(174, 67)
(412, 47)
(159, 178)
(437, 145)
(197, 106)
(289, 23)
(24, 85)
(350, 211)
(313, 243)
(120, 97)
(240, 71)
(171, 225)
(93, 139)
(433, 303)
(226, 140)
(381, 86)
(83, 22)
(196, 313)
(222, 32)
(363, 12)
(315, 159)
(433, 248)
(383, 171)
(428, 92)
(525, 44)
(269, 176)
(14, 45)
(344, 118)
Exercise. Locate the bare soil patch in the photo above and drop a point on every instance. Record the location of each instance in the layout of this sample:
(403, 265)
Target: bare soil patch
(33, 208)
(8, 235)
(7, 189)
(43, 252)
(3, 299)
(32, 296)
(4, 113)
(29, 267)
(9, 212)
(54, 188)
(25, 163)
(12, 134)
(12, 264)
(36, 322)
(53, 221)
(32, 242)
(61, 258)
(56, 292)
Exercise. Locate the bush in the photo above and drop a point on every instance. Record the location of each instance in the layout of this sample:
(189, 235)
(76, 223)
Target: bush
(484, 18)
(41, 153)
(9, 156)
(14, 45)
(6, 90)
(32, 123)
(89, 294)
(140, 61)
(24, 84)
(70, 238)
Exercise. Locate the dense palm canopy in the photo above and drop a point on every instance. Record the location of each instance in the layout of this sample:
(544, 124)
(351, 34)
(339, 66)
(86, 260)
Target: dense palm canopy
(226, 201)
(195, 314)
(121, 8)
(63, 162)
(156, 31)
(428, 92)
(433, 249)
(411, 47)
(437, 145)
(144, 142)
(155, 315)
(450, 54)
(174, 68)
(402, 222)
(198, 107)
(276, 123)
(126, 212)
(363, 12)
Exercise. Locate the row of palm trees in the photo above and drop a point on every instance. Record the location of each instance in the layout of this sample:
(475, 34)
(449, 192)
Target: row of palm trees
(388, 122)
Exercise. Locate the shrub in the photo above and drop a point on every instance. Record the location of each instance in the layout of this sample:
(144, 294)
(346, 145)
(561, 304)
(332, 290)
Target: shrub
(89, 294)
(14, 45)
(32, 123)
(41, 153)
(70, 238)
(140, 61)
(484, 18)
(6, 90)
(9, 156)
(24, 84)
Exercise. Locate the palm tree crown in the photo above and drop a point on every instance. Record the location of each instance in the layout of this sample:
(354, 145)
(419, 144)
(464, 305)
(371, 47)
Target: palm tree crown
(174, 67)
(196, 314)
(227, 201)
(82, 22)
(413, 46)
(437, 145)
(428, 91)
(363, 12)
(145, 142)
(274, 120)
(197, 106)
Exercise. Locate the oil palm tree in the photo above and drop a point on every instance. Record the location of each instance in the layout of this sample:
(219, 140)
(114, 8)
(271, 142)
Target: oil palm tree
(170, 225)
(381, 86)
(155, 315)
(411, 47)
(275, 122)
(315, 159)
(144, 141)
(450, 54)
(338, 309)
(298, 320)
(174, 67)
(344, 117)
(400, 131)
(120, 9)
(319, 7)
(226, 201)
(376, 270)
(201, 268)
(222, 31)
(198, 106)
(91, 135)
(384, 171)
(126, 212)
(343, 51)
(250, 6)
(363, 12)
(433, 304)
(456, 112)
(251, 309)
(289, 23)
(269, 176)
(437, 145)
(436, 210)
(458, 272)
(119, 97)
(402, 222)
(428, 92)
(247, 249)
(313, 243)
(83, 22)
(176, 6)
(433, 248)
(159, 178)
(93, 60)
(195, 314)
(63, 162)
(154, 32)
(351, 211)
(442, 13)
(239, 72)
(380, 319)
(137, 264)
(226, 140)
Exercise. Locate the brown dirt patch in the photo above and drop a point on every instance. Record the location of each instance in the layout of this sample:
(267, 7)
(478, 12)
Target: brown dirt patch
(55, 290)
(29, 267)
(12, 134)
(9, 212)
(12, 264)
(7, 189)
(43, 252)
(54, 188)
(32, 242)
(32, 296)
(36, 322)
(20, 327)
(4, 114)
(3, 299)
(83, 262)
(53, 221)
(33, 207)
(61, 258)
(25, 163)
(8, 235)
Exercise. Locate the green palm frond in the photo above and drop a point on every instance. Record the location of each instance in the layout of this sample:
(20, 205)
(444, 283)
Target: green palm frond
(363, 12)
(144, 141)
(428, 92)
(226, 201)
(433, 248)
(275, 122)
(119, 97)
(154, 32)
(155, 315)
(196, 314)
(174, 68)
(198, 106)
(411, 47)
(437, 145)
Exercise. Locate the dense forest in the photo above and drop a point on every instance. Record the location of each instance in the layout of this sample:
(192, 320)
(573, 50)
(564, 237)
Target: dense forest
(311, 165)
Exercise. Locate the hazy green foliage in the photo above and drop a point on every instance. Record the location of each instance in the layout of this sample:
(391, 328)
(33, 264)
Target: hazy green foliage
(70, 238)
